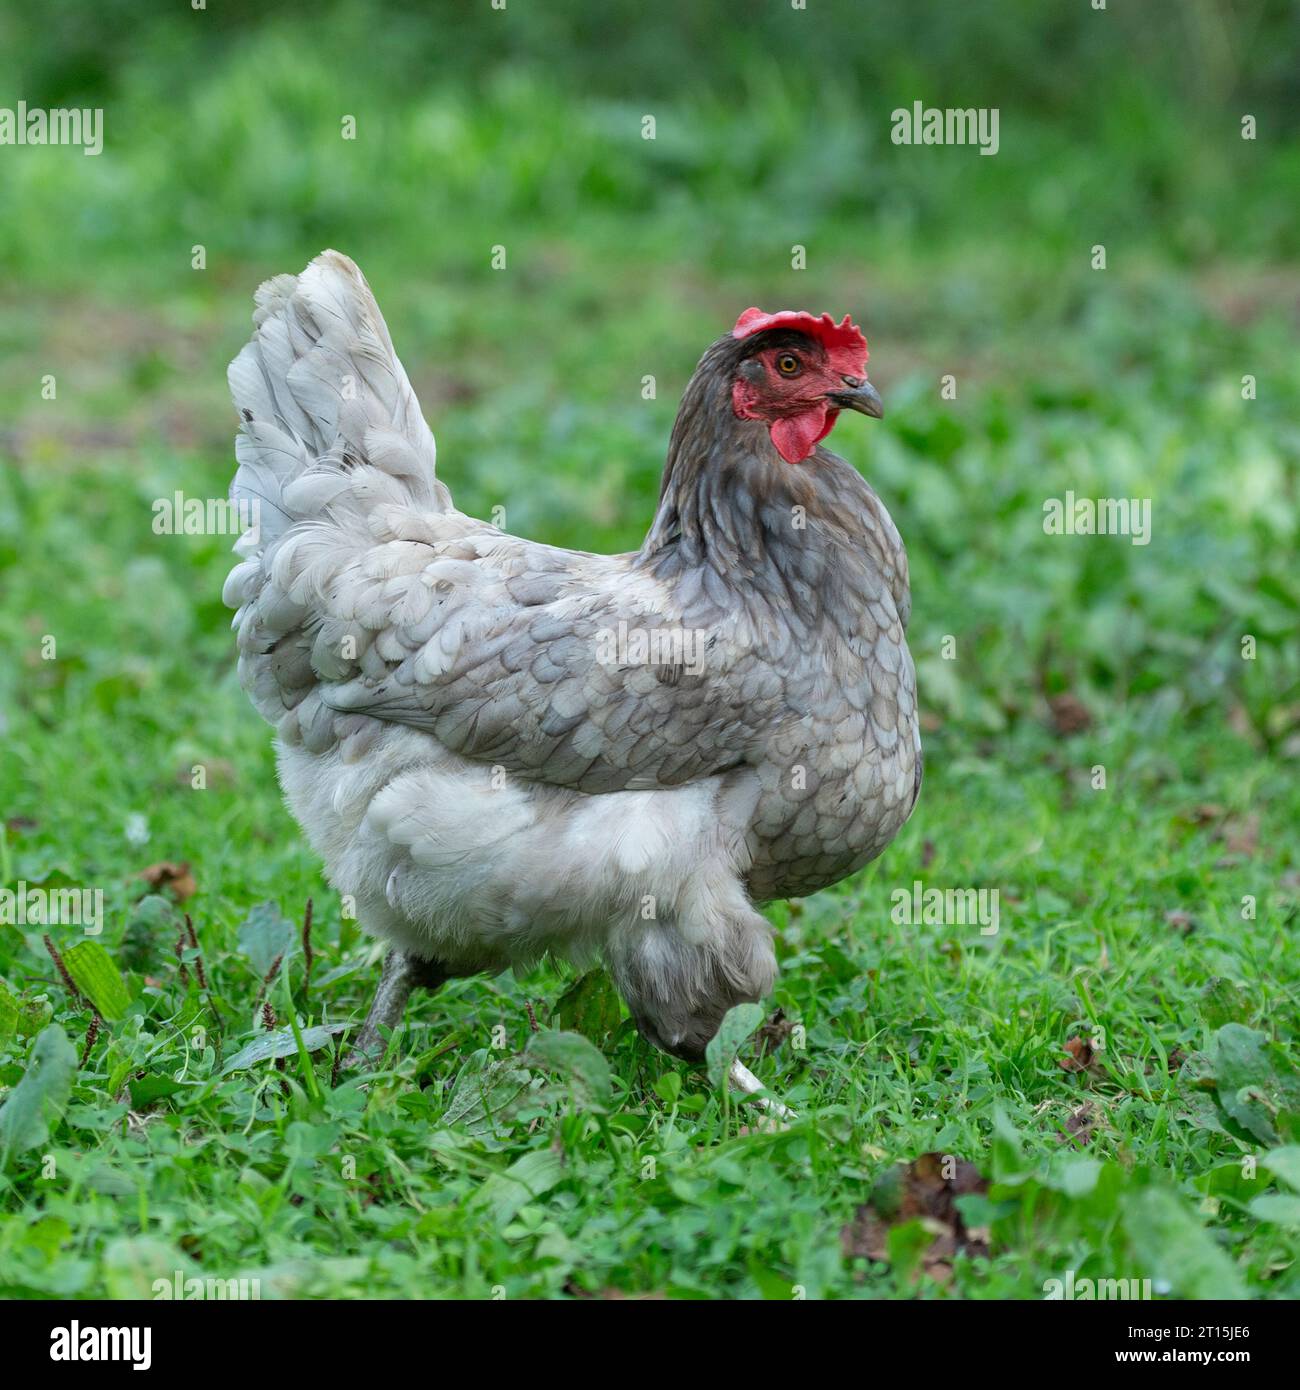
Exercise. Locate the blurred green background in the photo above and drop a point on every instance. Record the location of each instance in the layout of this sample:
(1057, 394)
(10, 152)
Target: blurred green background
(625, 258)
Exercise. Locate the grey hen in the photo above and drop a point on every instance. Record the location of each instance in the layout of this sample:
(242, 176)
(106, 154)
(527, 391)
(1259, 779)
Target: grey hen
(502, 749)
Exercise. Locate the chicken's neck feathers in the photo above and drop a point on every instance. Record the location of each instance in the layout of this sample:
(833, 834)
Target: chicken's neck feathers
(734, 517)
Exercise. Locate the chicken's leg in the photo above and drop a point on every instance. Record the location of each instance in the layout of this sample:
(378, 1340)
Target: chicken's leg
(400, 975)
(743, 1079)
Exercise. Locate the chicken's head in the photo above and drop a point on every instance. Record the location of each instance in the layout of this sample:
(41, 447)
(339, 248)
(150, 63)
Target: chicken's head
(799, 371)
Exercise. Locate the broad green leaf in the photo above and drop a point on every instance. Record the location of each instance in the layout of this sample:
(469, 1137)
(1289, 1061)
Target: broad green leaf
(306, 1143)
(118, 1075)
(668, 1087)
(24, 1017)
(1227, 1180)
(139, 1267)
(737, 1027)
(1009, 1164)
(281, 1043)
(151, 1088)
(1173, 1249)
(151, 932)
(47, 1234)
(98, 978)
(1076, 1177)
(1239, 1057)
(1285, 1163)
(265, 934)
(976, 1209)
(8, 1013)
(487, 1094)
(907, 1243)
(590, 1006)
(887, 1194)
(1256, 1085)
(1281, 1208)
(773, 1286)
(579, 1061)
(505, 1195)
(1223, 1002)
(37, 1101)
(34, 1014)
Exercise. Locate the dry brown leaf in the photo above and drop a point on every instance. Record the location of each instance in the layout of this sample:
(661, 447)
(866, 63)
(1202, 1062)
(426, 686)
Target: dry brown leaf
(1069, 714)
(929, 1196)
(775, 1030)
(865, 1237)
(173, 878)
(1079, 1055)
(1240, 834)
(1080, 1126)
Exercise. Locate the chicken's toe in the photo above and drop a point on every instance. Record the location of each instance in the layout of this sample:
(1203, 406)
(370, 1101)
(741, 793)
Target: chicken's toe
(744, 1080)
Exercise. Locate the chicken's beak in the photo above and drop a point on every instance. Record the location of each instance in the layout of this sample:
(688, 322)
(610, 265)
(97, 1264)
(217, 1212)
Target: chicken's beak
(862, 397)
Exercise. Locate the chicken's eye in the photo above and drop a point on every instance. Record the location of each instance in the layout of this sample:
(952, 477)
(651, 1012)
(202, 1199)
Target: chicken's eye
(787, 364)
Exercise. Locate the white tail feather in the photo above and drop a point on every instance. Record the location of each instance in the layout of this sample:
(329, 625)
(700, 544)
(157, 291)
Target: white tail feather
(332, 452)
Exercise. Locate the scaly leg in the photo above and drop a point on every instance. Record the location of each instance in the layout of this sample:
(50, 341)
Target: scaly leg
(400, 975)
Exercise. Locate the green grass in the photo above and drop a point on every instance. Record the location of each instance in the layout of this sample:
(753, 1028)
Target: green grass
(913, 1034)
(1121, 908)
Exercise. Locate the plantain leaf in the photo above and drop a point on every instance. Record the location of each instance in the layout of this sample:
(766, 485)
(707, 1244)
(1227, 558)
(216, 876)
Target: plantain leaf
(504, 1195)
(98, 978)
(590, 1006)
(487, 1094)
(1174, 1247)
(281, 1043)
(1285, 1163)
(264, 934)
(737, 1026)
(1255, 1084)
(37, 1101)
(1281, 1208)
(1223, 1001)
(580, 1061)
(149, 1089)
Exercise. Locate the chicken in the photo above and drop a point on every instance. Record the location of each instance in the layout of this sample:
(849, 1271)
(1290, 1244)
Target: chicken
(501, 749)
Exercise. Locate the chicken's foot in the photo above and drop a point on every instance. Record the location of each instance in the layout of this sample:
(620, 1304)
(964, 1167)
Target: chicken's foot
(744, 1080)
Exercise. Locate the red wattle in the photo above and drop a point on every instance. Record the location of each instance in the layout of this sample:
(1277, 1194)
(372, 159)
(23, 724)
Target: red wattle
(796, 436)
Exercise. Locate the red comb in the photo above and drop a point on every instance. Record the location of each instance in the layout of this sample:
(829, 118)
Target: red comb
(842, 336)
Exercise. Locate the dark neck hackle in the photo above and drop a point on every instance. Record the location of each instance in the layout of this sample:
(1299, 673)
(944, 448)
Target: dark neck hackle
(734, 518)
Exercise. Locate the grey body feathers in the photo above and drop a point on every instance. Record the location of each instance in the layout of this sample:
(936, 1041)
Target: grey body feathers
(475, 769)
